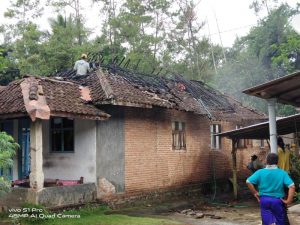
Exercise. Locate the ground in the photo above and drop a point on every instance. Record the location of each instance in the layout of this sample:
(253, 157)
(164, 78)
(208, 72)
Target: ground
(179, 211)
(244, 212)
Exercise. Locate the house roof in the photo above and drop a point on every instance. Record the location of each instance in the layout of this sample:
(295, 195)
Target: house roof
(119, 86)
(285, 89)
(285, 126)
(44, 97)
(68, 95)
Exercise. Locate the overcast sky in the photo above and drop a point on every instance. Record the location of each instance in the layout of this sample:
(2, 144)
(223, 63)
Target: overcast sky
(234, 17)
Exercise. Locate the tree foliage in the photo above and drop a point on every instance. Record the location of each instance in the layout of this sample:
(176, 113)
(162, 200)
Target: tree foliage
(8, 148)
(270, 50)
(155, 35)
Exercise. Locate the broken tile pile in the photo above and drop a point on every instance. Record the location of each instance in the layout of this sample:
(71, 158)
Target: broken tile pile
(198, 214)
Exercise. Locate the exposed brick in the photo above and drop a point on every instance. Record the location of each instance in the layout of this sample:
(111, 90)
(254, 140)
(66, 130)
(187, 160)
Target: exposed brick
(151, 163)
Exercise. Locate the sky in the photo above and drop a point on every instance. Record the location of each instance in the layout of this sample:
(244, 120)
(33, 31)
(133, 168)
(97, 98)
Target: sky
(233, 17)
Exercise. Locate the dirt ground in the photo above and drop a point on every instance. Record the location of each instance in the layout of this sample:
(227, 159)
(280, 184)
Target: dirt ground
(227, 216)
(244, 212)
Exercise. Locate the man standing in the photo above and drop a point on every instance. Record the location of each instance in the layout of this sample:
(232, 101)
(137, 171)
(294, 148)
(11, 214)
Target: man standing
(81, 66)
(255, 164)
(283, 155)
(271, 182)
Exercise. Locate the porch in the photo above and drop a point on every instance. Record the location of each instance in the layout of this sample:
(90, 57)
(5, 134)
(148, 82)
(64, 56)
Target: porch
(56, 162)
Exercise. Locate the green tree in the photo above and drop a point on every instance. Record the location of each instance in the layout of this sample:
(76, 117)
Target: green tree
(8, 69)
(61, 49)
(259, 5)
(192, 53)
(75, 6)
(8, 148)
(21, 13)
(270, 50)
(287, 56)
(27, 50)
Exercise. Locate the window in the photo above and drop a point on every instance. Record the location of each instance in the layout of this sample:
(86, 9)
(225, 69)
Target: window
(178, 135)
(249, 143)
(262, 143)
(243, 143)
(62, 135)
(215, 141)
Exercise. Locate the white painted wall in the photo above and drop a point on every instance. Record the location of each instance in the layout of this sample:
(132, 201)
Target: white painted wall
(82, 162)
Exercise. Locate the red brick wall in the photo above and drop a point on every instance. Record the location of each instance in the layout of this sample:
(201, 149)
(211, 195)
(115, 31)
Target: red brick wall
(150, 161)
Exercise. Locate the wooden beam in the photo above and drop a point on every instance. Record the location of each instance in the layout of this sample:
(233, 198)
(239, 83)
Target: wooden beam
(80, 116)
(13, 116)
(234, 168)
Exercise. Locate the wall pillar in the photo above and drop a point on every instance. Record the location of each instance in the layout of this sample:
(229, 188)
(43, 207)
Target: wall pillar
(36, 176)
(272, 124)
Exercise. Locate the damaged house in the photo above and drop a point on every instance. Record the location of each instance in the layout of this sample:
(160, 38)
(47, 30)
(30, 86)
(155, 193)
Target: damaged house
(120, 130)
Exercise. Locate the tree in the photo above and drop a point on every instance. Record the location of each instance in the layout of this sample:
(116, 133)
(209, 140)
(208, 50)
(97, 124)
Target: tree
(259, 5)
(8, 148)
(22, 34)
(157, 34)
(270, 50)
(287, 56)
(61, 49)
(192, 53)
(273, 31)
(8, 69)
(23, 12)
(60, 5)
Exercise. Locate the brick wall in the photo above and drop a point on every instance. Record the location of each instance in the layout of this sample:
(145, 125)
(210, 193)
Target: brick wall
(151, 163)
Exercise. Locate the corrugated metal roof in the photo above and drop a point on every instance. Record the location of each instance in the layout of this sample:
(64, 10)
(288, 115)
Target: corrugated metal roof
(286, 89)
(285, 126)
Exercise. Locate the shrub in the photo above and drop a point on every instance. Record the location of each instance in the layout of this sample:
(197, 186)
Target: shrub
(8, 148)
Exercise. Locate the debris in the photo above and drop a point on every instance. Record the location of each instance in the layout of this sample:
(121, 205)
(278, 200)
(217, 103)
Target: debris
(216, 217)
(199, 215)
(191, 213)
(105, 187)
(185, 211)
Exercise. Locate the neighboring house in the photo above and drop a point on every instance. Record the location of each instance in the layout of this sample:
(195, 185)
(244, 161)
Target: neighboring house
(139, 132)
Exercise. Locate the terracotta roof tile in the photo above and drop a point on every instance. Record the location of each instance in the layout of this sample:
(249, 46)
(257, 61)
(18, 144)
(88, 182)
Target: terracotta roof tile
(65, 97)
(62, 98)
(119, 86)
(11, 99)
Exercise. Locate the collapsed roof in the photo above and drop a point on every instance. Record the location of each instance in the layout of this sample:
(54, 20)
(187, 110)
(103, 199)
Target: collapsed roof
(68, 95)
(119, 86)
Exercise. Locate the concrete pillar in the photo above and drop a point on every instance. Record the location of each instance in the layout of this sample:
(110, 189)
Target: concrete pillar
(36, 176)
(272, 124)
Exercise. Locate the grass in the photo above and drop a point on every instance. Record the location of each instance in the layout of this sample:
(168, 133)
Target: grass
(92, 216)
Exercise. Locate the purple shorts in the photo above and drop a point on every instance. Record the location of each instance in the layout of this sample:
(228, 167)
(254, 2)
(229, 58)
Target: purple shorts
(273, 211)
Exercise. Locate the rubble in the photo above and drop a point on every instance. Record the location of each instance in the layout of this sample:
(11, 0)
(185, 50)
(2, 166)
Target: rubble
(198, 214)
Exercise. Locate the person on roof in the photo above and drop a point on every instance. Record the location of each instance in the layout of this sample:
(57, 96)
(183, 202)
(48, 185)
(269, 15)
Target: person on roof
(271, 182)
(81, 66)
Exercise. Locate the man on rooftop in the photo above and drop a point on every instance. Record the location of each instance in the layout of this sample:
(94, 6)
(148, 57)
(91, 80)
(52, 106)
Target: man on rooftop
(81, 66)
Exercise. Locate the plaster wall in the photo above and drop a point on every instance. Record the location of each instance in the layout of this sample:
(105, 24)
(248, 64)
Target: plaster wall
(81, 162)
(110, 149)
